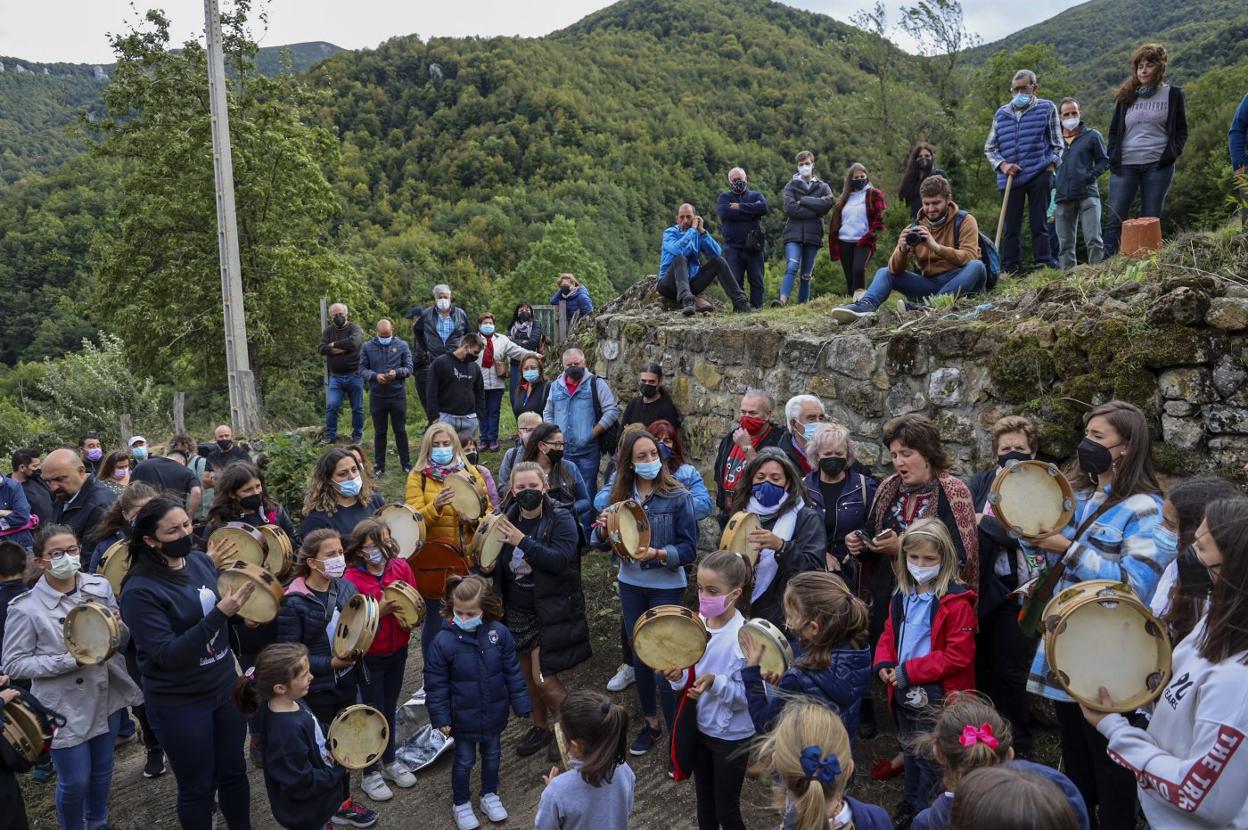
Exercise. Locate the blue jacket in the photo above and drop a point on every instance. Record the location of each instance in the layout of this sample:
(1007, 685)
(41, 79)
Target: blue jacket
(865, 816)
(13, 498)
(578, 302)
(377, 359)
(1237, 138)
(840, 687)
(746, 217)
(471, 679)
(1030, 138)
(673, 528)
(575, 413)
(852, 507)
(97, 553)
(304, 791)
(686, 474)
(304, 619)
(690, 244)
(1083, 162)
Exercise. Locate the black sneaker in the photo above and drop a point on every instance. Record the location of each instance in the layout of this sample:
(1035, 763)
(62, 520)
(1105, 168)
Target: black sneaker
(646, 740)
(378, 472)
(155, 766)
(742, 308)
(687, 308)
(533, 741)
(903, 816)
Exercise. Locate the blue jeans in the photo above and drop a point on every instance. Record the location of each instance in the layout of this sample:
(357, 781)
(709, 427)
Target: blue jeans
(385, 680)
(969, 279)
(587, 464)
(798, 255)
(489, 418)
(922, 774)
(204, 743)
(353, 387)
(635, 601)
(466, 758)
(745, 264)
(83, 776)
(1151, 182)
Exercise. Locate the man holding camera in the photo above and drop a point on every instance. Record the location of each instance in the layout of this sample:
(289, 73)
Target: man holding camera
(683, 276)
(946, 265)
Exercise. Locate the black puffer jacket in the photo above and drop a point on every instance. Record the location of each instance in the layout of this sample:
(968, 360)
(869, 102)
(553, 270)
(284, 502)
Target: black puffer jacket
(805, 204)
(804, 552)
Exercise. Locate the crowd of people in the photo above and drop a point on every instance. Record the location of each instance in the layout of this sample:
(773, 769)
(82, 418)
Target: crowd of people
(905, 583)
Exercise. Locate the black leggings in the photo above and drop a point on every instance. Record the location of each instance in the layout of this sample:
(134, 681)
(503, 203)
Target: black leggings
(854, 259)
(1002, 659)
(1107, 789)
(718, 774)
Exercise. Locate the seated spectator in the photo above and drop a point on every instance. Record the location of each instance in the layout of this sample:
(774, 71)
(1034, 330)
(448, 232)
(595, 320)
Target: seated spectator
(683, 276)
(946, 265)
(577, 297)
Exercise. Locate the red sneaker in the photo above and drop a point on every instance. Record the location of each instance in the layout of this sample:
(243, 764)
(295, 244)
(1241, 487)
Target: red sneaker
(884, 770)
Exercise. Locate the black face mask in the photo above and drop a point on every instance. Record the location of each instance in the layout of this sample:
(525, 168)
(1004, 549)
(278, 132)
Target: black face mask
(524, 317)
(1013, 455)
(832, 466)
(925, 164)
(1094, 458)
(575, 372)
(225, 443)
(648, 390)
(857, 184)
(252, 502)
(178, 548)
(339, 320)
(1194, 579)
(554, 456)
(472, 458)
(529, 499)
(35, 475)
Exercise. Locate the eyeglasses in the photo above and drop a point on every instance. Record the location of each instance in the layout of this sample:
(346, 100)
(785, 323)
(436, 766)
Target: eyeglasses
(72, 550)
(554, 445)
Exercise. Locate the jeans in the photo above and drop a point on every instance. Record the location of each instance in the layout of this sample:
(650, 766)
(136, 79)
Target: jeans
(1083, 214)
(744, 264)
(922, 774)
(635, 601)
(1002, 661)
(83, 776)
(389, 412)
(969, 279)
(677, 285)
(1107, 789)
(854, 259)
(587, 464)
(798, 255)
(381, 691)
(1150, 181)
(489, 418)
(1036, 194)
(204, 743)
(459, 423)
(718, 773)
(353, 387)
(466, 758)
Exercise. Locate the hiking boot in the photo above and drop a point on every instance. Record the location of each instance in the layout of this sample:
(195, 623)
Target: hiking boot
(645, 740)
(624, 677)
(686, 308)
(155, 766)
(703, 305)
(853, 311)
(534, 740)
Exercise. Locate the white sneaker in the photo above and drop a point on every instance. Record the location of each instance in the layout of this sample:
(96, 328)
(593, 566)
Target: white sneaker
(398, 775)
(375, 788)
(493, 808)
(624, 677)
(465, 818)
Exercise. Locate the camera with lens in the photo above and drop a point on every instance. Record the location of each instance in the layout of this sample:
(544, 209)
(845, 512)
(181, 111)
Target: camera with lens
(913, 237)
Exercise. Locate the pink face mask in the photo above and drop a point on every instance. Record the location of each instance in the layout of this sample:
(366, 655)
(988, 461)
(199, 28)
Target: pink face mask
(712, 606)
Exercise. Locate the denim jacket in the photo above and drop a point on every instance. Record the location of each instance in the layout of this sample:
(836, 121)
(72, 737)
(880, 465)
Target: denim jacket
(672, 528)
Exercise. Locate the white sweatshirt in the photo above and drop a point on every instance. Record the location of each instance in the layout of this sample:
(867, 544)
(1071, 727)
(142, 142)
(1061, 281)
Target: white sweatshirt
(723, 710)
(1192, 763)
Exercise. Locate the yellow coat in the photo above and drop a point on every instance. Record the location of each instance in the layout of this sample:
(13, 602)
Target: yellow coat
(439, 524)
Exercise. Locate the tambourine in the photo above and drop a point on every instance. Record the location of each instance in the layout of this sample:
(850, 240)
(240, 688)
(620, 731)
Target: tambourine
(358, 737)
(23, 731)
(777, 653)
(470, 499)
(265, 601)
(410, 607)
(250, 542)
(628, 528)
(407, 527)
(736, 536)
(115, 564)
(1029, 497)
(487, 543)
(280, 552)
(357, 626)
(92, 634)
(436, 560)
(1098, 634)
(670, 637)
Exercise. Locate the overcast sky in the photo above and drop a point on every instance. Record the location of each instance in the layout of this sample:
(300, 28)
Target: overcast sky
(75, 30)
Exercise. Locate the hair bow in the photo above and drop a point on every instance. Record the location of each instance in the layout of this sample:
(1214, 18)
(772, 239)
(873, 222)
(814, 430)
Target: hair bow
(982, 734)
(818, 768)
(250, 674)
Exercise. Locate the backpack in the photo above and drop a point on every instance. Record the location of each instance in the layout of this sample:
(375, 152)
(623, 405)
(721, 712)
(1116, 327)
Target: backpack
(987, 251)
(609, 440)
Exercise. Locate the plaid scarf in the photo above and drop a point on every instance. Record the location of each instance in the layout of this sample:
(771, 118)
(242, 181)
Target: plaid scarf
(961, 506)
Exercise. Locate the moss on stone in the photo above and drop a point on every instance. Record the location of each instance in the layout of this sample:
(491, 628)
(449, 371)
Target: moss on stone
(1021, 369)
(903, 352)
(1176, 461)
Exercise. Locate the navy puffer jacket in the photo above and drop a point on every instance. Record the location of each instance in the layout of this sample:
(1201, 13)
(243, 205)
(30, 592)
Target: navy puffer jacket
(470, 678)
(303, 619)
(840, 686)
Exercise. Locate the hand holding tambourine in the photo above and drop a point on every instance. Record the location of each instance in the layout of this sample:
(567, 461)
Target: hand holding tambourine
(222, 551)
(753, 649)
(234, 598)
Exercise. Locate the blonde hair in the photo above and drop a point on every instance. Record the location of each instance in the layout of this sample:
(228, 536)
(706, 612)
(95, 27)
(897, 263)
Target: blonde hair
(426, 444)
(929, 532)
(830, 434)
(528, 420)
(804, 724)
(1015, 423)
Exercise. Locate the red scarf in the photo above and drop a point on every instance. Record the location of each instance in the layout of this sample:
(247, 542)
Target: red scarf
(736, 458)
(487, 362)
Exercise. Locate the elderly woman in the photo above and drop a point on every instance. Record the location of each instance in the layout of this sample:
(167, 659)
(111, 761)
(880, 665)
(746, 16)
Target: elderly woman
(840, 493)
(803, 415)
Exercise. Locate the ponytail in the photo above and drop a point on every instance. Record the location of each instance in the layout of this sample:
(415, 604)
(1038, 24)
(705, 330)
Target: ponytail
(246, 694)
(276, 665)
(601, 727)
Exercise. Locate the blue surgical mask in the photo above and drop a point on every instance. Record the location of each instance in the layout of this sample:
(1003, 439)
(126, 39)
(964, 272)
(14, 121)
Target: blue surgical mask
(385, 341)
(487, 329)
(665, 451)
(1167, 542)
(768, 494)
(139, 453)
(1020, 100)
(808, 431)
(531, 375)
(375, 556)
(351, 487)
(468, 624)
(649, 470)
(441, 456)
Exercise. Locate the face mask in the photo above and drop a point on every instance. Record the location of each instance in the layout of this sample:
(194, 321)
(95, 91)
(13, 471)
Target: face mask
(225, 443)
(648, 390)
(339, 320)
(335, 566)
(443, 304)
(923, 575)
(65, 567)
(1020, 100)
(1013, 455)
(565, 290)
(120, 473)
(35, 475)
(554, 456)
(665, 451)
(809, 430)
(95, 454)
(1146, 91)
(467, 623)
(375, 556)
(710, 607)
(1194, 578)
(139, 453)
(531, 375)
(832, 466)
(575, 373)
(487, 329)
(1094, 458)
(441, 455)
(524, 317)
(858, 184)
(925, 164)
(529, 499)
(252, 502)
(752, 425)
(179, 548)
(804, 170)
(649, 470)
(768, 494)
(351, 487)
(1070, 124)
(385, 341)
(1166, 541)
(472, 457)
(738, 186)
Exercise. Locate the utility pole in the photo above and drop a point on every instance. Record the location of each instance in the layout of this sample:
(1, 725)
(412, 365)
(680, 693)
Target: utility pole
(244, 404)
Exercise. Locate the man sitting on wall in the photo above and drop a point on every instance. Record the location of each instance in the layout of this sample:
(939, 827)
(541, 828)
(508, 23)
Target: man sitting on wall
(683, 276)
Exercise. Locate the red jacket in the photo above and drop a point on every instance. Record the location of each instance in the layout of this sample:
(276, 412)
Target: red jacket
(951, 662)
(391, 636)
(875, 223)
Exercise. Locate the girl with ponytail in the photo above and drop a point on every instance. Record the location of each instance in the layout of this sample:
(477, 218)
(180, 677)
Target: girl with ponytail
(596, 793)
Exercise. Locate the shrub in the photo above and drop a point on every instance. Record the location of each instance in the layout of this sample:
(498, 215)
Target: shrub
(288, 461)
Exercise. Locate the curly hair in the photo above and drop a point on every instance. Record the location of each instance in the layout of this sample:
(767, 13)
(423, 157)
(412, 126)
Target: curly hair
(919, 433)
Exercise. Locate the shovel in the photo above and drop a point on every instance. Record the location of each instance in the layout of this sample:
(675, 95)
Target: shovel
(1005, 200)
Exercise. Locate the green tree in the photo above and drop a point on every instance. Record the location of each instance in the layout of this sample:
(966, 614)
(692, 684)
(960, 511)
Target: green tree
(558, 251)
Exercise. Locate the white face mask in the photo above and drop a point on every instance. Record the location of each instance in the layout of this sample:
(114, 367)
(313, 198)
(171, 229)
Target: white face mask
(1070, 124)
(923, 575)
(335, 566)
(65, 567)
(443, 304)
(805, 169)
